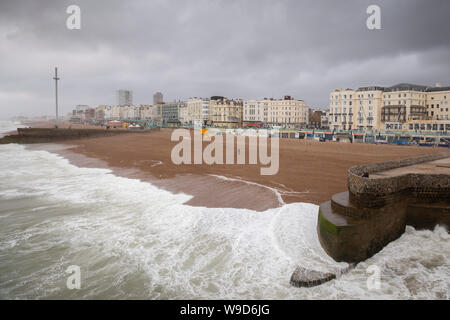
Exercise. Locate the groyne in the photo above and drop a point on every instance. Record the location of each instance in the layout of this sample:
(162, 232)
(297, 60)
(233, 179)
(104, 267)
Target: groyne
(42, 135)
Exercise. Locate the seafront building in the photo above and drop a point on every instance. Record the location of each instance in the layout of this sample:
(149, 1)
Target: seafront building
(286, 113)
(83, 113)
(157, 113)
(124, 98)
(102, 112)
(355, 109)
(324, 119)
(183, 115)
(130, 112)
(145, 112)
(197, 110)
(170, 112)
(255, 112)
(116, 113)
(402, 107)
(158, 98)
(225, 112)
(437, 111)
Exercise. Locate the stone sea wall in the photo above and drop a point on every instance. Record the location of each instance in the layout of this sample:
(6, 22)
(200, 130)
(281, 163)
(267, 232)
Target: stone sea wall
(381, 191)
(42, 135)
(356, 224)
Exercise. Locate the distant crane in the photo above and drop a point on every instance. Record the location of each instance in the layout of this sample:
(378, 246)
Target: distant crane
(56, 91)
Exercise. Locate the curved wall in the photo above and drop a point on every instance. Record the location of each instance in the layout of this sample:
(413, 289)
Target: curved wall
(381, 191)
(357, 224)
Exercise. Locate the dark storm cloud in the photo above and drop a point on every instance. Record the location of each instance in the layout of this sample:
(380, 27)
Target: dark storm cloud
(247, 49)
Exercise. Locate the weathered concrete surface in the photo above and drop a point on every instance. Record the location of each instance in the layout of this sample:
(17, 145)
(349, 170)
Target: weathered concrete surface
(356, 224)
(42, 135)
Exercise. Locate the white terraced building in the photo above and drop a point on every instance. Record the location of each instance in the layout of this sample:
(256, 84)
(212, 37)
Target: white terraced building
(198, 109)
(286, 113)
(403, 107)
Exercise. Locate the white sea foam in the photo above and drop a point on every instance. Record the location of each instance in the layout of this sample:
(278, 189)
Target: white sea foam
(133, 240)
(7, 126)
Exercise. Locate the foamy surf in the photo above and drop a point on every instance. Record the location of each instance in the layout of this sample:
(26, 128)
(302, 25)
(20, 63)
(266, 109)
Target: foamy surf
(8, 126)
(133, 240)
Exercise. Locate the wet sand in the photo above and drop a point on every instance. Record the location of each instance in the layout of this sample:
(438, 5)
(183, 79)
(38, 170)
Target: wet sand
(309, 171)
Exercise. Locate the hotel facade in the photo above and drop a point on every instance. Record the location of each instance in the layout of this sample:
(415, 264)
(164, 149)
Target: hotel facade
(403, 107)
(286, 112)
(225, 112)
(198, 109)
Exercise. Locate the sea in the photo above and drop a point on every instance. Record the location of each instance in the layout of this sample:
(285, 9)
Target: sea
(132, 240)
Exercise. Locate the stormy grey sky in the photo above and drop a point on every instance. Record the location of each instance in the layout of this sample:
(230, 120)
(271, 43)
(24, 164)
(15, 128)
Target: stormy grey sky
(235, 48)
